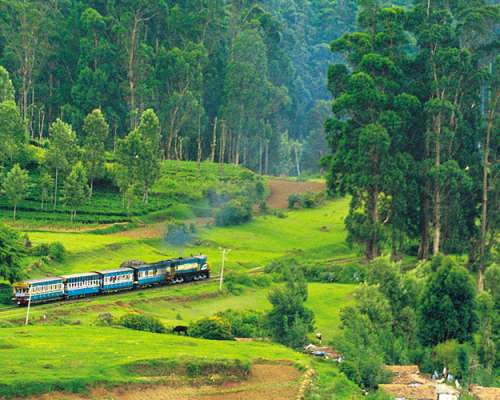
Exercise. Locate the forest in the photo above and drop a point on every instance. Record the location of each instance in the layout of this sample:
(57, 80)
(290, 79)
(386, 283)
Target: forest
(240, 81)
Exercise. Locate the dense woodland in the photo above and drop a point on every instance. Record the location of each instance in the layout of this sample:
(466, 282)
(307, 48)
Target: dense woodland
(242, 81)
(415, 128)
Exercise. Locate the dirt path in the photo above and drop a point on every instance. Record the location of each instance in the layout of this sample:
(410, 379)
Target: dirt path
(281, 189)
(268, 381)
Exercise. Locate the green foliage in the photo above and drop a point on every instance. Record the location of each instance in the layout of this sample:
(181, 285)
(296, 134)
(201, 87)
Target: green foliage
(289, 321)
(6, 87)
(214, 328)
(246, 324)
(447, 305)
(234, 212)
(76, 190)
(5, 293)
(96, 132)
(15, 186)
(11, 254)
(142, 323)
(13, 137)
(56, 251)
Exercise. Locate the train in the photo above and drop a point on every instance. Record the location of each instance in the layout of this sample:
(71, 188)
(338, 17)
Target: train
(130, 275)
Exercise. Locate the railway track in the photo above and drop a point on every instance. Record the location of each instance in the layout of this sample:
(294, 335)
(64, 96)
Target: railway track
(91, 298)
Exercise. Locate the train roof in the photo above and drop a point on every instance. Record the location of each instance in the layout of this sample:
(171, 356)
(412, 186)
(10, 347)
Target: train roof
(113, 271)
(82, 274)
(41, 280)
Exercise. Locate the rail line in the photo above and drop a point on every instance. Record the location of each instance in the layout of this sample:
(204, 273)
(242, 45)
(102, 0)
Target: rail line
(90, 298)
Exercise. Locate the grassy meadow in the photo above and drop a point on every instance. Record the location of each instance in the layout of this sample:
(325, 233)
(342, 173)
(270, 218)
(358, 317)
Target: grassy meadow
(45, 358)
(63, 348)
(312, 235)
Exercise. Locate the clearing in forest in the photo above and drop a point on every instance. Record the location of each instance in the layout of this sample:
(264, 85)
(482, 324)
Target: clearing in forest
(281, 189)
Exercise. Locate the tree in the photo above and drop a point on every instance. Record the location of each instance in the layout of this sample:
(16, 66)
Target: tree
(289, 321)
(62, 152)
(76, 190)
(13, 135)
(11, 254)
(96, 132)
(139, 154)
(6, 87)
(15, 186)
(447, 305)
(46, 184)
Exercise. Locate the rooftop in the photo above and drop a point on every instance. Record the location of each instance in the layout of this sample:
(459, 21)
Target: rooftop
(113, 271)
(82, 274)
(485, 393)
(401, 391)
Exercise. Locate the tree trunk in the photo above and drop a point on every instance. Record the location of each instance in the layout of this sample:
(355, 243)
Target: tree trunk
(237, 149)
(131, 71)
(484, 200)
(260, 155)
(372, 250)
(198, 152)
(423, 251)
(91, 187)
(437, 186)
(266, 157)
(55, 188)
(15, 209)
(214, 141)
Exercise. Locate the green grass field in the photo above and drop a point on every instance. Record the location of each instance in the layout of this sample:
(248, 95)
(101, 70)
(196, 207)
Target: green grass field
(54, 350)
(312, 235)
(44, 358)
(189, 302)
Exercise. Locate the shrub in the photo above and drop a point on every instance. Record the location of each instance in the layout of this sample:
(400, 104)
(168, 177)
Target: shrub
(247, 324)
(214, 328)
(105, 319)
(56, 251)
(142, 323)
(41, 250)
(293, 201)
(5, 293)
(234, 212)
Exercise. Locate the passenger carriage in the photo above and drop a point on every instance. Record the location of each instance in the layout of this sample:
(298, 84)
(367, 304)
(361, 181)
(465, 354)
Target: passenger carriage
(150, 274)
(79, 285)
(114, 280)
(38, 290)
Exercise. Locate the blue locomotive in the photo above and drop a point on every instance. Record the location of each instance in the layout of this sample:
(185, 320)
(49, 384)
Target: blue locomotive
(129, 276)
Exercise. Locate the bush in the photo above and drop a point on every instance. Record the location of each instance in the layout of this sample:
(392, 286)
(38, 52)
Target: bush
(214, 328)
(234, 212)
(5, 293)
(56, 251)
(305, 200)
(142, 323)
(41, 250)
(105, 319)
(247, 324)
(293, 201)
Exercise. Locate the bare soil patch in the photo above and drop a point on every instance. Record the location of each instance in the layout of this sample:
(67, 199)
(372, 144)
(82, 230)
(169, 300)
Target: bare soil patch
(268, 381)
(282, 188)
